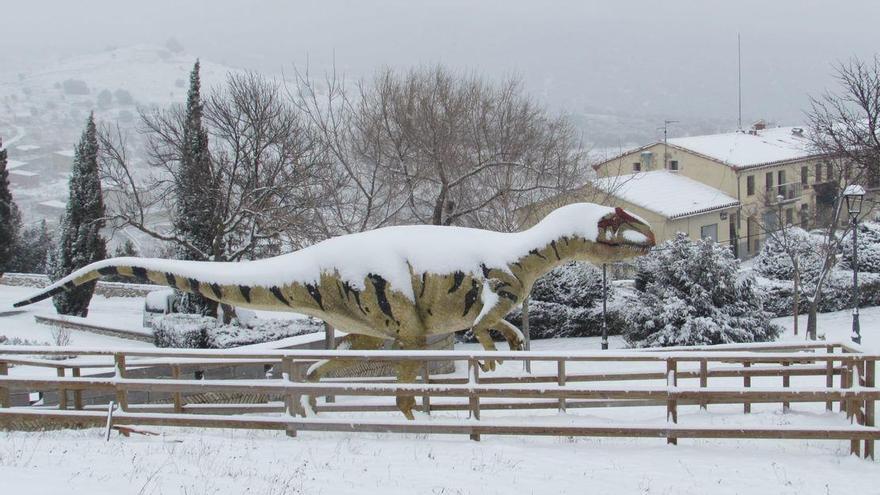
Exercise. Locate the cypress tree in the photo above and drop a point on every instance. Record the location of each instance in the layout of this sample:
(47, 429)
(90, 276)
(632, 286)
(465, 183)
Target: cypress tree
(81, 242)
(196, 195)
(10, 221)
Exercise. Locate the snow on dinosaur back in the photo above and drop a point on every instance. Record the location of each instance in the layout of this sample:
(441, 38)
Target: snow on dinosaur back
(394, 253)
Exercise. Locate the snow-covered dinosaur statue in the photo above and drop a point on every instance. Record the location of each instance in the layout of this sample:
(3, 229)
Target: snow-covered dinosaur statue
(399, 283)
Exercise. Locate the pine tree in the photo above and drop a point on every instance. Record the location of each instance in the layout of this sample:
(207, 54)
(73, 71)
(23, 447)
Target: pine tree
(10, 221)
(81, 242)
(196, 194)
(695, 295)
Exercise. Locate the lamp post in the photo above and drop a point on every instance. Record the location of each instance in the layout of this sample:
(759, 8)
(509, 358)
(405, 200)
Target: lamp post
(604, 307)
(854, 195)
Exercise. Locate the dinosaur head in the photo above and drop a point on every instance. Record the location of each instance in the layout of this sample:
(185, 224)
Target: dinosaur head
(622, 236)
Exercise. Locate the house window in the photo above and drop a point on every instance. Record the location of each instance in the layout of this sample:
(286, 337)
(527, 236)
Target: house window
(709, 232)
(768, 181)
(781, 189)
(818, 173)
(829, 172)
(750, 185)
(805, 173)
(789, 216)
(673, 165)
(637, 167)
(770, 220)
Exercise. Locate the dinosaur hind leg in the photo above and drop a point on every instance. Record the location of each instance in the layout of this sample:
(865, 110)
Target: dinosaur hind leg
(327, 367)
(407, 372)
(488, 344)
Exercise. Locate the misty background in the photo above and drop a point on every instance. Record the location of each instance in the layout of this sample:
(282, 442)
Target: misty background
(639, 59)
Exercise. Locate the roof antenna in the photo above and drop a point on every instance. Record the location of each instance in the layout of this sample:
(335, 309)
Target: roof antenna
(739, 120)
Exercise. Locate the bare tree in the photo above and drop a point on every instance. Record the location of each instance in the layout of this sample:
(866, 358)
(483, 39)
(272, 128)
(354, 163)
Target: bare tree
(465, 150)
(264, 159)
(844, 128)
(360, 190)
(846, 122)
(800, 255)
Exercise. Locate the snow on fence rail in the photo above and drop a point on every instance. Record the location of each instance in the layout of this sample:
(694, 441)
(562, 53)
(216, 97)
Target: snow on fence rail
(855, 391)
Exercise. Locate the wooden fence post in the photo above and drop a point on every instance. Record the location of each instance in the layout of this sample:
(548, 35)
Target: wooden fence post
(426, 379)
(747, 383)
(473, 398)
(560, 380)
(870, 381)
(671, 403)
(844, 380)
(178, 400)
(290, 399)
(829, 374)
(704, 381)
(786, 383)
(850, 380)
(77, 394)
(4, 391)
(62, 392)
(121, 394)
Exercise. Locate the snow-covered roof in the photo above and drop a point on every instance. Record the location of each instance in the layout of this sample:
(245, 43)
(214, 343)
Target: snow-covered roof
(666, 193)
(746, 149)
(23, 173)
(13, 164)
(65, 153)
(27, 147)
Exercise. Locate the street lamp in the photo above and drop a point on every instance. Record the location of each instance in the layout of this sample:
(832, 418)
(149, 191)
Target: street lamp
(604, 307)
(854, 195)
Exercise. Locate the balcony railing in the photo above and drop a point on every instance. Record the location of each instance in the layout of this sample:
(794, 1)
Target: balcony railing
(783, 193)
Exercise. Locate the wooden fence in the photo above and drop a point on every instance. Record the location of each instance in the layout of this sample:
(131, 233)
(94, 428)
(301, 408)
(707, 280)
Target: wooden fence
(845, 376)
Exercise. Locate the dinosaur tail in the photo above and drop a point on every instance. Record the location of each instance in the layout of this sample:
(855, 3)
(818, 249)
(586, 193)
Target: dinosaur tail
(197, 277)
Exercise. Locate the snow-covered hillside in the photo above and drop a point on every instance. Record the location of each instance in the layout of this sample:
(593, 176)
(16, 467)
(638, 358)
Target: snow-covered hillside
(43, 112)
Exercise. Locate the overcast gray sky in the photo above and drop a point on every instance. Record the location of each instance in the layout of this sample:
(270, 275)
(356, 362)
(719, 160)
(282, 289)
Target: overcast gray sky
(675, 57)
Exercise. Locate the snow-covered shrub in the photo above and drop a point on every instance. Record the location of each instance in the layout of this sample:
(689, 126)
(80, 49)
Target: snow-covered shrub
(182, 330)
(694, 296)
(552, 320)
(775, 262)
(203, 332)
(258, 330)
(777, 296)
(567, 302)
(572, 284)
(869, 248)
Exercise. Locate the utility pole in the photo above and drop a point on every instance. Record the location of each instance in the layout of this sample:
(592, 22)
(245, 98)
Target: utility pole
(666, 142)
(739, 92)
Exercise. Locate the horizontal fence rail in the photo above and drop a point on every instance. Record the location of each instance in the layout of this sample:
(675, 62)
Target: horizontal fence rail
(161, 387)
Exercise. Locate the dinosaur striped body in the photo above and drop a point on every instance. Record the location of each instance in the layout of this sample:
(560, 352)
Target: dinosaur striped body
(399, 283)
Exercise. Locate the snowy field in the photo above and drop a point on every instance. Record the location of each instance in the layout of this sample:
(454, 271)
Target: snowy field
(192, 461)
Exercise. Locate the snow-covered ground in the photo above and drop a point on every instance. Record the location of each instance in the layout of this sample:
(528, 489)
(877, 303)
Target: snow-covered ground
(193, 461)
